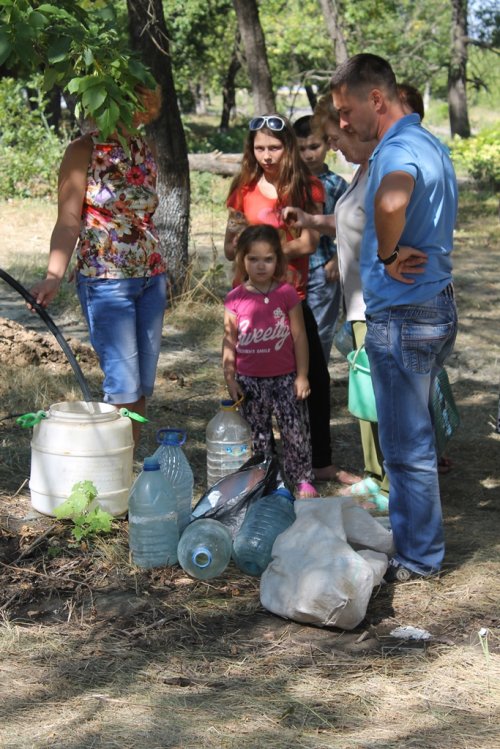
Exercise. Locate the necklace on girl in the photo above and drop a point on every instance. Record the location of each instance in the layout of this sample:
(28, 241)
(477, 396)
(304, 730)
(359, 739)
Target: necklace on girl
(265, 294)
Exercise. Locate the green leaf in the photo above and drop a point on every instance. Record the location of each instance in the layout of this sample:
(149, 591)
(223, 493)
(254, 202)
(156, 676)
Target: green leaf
(5, 47)
(93, 97)
(88, 56)
(49, 78)
(82, 494)
(37, 20)
(59, 49)
(73, 86)
(108, 120)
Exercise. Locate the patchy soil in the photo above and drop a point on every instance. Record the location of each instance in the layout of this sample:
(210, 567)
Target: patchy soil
(96, 653)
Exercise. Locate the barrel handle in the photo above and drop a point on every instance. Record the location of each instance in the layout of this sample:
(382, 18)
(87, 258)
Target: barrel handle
(31, 419)
(133, 415)
(160, 435)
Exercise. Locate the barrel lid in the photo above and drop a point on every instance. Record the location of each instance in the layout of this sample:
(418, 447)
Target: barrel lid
(151, 464)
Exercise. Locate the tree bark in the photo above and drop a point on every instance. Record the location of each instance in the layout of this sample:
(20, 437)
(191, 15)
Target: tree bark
(229, 88)
(254, 45)
(148, 33)
(331, 15)
(457, 71)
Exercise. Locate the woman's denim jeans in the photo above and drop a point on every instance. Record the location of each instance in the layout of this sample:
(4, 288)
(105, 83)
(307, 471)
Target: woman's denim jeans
(406, 346)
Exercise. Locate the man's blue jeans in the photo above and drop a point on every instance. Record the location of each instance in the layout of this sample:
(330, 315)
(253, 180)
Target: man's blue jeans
(406, 346)
(323, 298)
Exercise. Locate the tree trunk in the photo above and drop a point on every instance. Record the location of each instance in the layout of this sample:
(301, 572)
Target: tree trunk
(149, 35)
(457, 71)
(254, 45)
(331, 16)
(229, 88)
(311, 96)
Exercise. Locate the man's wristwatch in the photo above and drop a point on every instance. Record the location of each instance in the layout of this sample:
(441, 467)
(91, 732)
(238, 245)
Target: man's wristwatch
(389, 260)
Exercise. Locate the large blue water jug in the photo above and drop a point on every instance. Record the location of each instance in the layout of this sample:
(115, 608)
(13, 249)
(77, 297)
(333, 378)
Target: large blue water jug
(177, 471)
(152, 518)
(204, 550)
(265, 519)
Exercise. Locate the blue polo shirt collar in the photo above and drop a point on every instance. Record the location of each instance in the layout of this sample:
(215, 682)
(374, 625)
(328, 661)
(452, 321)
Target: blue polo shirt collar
(408, 119)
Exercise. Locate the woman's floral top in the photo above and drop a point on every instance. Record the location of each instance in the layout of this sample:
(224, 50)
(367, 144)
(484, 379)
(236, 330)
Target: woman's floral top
(118, 238)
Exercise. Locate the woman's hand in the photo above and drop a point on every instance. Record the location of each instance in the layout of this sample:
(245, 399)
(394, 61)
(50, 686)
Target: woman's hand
(301, 387)
(332, 270)
(45, 291)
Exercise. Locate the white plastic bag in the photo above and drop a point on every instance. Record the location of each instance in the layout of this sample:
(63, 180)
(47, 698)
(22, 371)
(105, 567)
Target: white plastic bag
(315, 576)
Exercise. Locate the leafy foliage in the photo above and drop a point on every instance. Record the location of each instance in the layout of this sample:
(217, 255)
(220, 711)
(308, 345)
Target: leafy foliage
(82, 50)
(87, 520)
(30, 151)
(480, 156)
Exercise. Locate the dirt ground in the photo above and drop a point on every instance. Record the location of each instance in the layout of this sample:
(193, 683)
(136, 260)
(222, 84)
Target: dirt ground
(96, 653)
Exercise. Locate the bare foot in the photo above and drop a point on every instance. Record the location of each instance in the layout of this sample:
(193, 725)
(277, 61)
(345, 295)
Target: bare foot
(332, 473)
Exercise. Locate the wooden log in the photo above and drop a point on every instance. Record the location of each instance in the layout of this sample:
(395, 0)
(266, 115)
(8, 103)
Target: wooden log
(226, 164)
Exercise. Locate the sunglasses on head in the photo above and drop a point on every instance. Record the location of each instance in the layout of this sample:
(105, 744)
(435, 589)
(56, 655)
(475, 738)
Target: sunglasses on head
(273, 123)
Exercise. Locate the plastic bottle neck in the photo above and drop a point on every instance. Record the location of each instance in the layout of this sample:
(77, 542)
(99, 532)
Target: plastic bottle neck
(202, 557)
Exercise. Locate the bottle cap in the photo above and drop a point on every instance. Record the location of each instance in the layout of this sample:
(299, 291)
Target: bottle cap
(284, 492)
(151, 464)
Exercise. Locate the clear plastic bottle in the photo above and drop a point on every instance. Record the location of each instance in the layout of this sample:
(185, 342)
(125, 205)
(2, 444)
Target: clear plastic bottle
(229, 442)
(204, 550)
(177, 471)
(152, 519)
(265, 519)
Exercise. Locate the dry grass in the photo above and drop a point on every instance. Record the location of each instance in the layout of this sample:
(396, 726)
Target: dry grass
(96, 653)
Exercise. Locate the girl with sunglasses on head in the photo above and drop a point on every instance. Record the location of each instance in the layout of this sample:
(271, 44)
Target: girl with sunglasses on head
(265, 354)
(272, 177)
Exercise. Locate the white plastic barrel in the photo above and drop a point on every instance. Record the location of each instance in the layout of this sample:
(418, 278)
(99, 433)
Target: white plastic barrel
(79, 441)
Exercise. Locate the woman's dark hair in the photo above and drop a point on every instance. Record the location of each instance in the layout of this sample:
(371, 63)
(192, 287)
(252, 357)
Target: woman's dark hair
(260, 233)
(412, 98)
(294, 182)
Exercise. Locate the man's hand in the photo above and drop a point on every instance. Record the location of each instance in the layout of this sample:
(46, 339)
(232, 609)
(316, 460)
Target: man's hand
(409, 260)
(294, 217)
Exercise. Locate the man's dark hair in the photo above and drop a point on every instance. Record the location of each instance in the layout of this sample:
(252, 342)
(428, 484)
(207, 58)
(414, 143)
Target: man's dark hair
(302, 126)
(365, 71)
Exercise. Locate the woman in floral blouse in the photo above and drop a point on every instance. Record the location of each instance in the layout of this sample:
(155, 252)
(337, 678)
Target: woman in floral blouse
(106, 200)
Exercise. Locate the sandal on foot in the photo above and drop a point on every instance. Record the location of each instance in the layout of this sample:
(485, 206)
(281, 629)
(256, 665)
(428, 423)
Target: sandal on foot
(305, 490)
(364, 488)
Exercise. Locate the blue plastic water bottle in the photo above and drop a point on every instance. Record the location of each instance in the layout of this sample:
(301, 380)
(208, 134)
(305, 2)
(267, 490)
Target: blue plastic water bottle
(265, 519)
(204, 550)
(177, 471)
(152, 519)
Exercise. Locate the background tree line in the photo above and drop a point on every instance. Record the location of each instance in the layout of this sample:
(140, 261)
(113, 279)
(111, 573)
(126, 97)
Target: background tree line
(95, 53)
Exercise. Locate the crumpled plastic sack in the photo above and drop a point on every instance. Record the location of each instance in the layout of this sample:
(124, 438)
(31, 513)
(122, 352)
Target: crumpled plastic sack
(228, 500)
(315, 576)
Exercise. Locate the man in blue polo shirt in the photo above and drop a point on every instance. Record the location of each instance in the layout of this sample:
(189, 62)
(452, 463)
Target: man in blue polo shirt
(411, 207)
